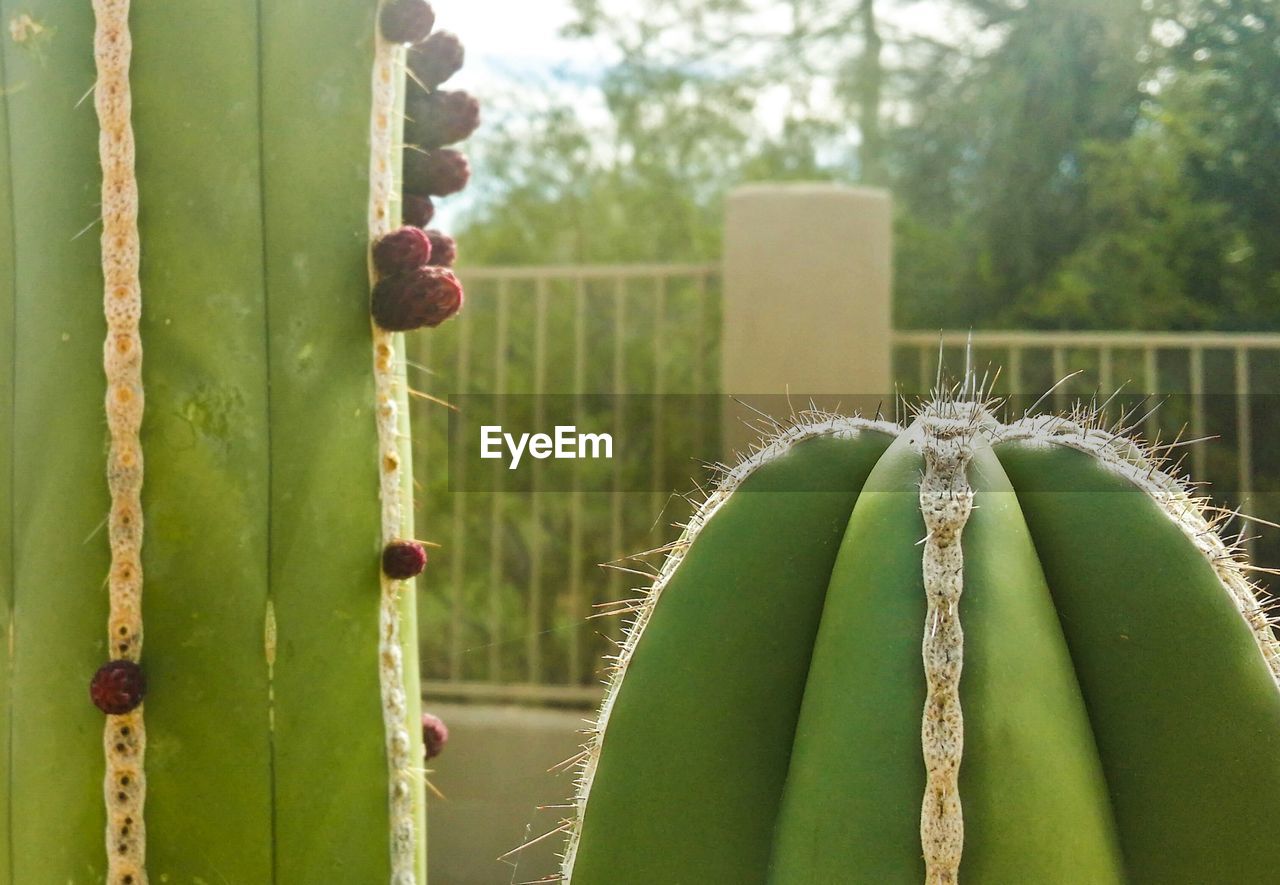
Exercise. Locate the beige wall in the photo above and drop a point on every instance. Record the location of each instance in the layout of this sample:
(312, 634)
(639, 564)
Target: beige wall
(494, 775)
(807, 271)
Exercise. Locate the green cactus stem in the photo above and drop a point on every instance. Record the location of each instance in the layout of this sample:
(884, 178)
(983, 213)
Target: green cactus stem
(955, 650)
(280, 739)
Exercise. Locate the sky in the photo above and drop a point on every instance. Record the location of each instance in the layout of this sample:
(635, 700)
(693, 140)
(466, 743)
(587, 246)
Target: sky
(508, 39)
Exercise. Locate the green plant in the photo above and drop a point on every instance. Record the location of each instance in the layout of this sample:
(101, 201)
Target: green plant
(959, 649)
(242, 158)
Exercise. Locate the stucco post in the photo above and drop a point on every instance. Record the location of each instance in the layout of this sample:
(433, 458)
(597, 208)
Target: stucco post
(807, 275)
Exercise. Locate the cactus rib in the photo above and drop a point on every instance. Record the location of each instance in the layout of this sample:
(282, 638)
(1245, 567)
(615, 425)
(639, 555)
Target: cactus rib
(946, 500)
(393, 468)
(8, 323)
(124, 735)
(1084, 431)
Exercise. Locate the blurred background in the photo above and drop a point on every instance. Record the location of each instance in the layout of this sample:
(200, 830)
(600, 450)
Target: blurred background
(1086, 186)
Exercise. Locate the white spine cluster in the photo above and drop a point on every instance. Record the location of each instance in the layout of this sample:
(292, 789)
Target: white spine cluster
(124, 738)
(400, 768)
(946, 500)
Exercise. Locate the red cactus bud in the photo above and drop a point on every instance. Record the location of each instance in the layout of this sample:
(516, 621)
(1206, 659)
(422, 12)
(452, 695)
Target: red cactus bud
(444, 250)
(417, 210)
(440, 118)
(439, 172)
(407, 21)
(402, 249)
(435, 734)
(402, 560)
(118, 687)
(426, 296)
(436, 59)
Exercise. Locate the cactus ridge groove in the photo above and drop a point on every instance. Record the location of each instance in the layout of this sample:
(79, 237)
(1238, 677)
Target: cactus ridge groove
(11, 468)
(269, 627)
(124, 784)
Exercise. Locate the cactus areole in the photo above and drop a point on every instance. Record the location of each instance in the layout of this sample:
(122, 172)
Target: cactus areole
(212, 182)
(960, 650)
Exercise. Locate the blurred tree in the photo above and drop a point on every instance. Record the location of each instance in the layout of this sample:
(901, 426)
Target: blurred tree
(1179, 216)
(701, 95)
(992, 169)
(1224, 79)
(1055, 164)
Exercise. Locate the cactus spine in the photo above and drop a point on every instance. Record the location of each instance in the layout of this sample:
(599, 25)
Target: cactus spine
(282, 723)
(796, 700)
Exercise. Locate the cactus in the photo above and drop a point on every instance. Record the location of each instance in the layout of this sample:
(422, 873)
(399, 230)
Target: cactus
(242, 159)
(954, 650)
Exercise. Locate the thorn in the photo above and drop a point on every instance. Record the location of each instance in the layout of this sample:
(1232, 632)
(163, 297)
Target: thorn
(420, 395)
(560, 829)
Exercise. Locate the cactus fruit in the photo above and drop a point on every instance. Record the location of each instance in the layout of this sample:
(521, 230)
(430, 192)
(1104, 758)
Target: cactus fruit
(435, 119)
(436, 173)
(959, 650)
(423, 297)
(436, 59)
(444, 250)
(118, 687)
(402, 560)
(417, 210)
(406, 21)
(405, 248)
(435, 734)
(242, 160)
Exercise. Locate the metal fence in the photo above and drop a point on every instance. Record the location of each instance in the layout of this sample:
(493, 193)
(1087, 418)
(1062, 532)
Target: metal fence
(509, 614)
(1208, 392)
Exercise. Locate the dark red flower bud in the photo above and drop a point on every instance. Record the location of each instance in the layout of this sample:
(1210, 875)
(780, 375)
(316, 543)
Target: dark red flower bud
(118, 687)
(436, 59)
(439, 118)
(417, 210)
(402, 560)
(403, 249)
(444, 249)
(426, 296)
(406, 21)
(435, 734)
(439, 172)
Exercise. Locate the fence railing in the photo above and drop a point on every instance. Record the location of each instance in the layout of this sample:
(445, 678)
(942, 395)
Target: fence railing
(508, 615)
(507, 610)
(1198, 389)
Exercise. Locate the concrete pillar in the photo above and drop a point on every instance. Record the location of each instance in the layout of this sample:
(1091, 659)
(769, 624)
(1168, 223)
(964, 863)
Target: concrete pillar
(807, 277)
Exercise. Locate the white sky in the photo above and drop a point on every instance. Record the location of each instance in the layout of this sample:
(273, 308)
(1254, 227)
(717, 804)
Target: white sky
(507, 37)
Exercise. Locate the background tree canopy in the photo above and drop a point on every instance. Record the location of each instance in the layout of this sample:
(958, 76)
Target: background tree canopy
(1055, 163)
